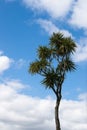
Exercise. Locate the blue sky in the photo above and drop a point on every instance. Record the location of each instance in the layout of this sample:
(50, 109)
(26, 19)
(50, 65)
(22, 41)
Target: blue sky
(24, 25)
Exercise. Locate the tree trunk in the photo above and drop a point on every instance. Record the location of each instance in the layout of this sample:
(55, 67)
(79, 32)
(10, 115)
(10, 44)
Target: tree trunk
(57, 122)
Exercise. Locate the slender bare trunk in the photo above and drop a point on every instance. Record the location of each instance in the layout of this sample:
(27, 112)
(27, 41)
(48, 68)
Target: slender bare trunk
(57, 122)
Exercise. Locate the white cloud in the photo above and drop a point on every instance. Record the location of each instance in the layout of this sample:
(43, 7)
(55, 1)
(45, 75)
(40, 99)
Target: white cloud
(73, 115)
(56, 8)
(49, 27)
(5, 62)
(22, 112)
(81, 51)
(79, 14)
(17, 111)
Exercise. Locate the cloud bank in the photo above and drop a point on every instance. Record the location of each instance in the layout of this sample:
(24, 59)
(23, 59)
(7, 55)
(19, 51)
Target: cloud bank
(24, 112)
(59, 9)
(73, 10)
(79, 17)
(55, 8)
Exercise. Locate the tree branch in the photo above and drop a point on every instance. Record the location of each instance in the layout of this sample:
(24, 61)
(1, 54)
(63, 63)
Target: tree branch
(54, 90)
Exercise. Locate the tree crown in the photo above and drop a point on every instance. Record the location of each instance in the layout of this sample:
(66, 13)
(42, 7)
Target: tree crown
(54, 61)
